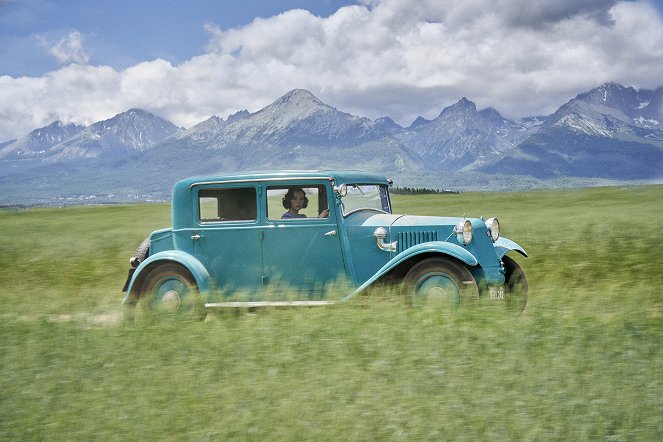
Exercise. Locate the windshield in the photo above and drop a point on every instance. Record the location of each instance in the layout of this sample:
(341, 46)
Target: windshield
(366, 196)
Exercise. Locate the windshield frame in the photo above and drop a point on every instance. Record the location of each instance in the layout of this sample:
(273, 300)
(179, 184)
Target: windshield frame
(382, 193)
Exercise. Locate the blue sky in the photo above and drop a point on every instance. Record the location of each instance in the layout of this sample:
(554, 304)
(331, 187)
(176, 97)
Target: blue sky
(121, 33)
(84, 61)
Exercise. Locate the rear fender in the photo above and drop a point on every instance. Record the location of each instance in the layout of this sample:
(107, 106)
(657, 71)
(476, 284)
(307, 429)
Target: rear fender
(434, 247)
(195, 267)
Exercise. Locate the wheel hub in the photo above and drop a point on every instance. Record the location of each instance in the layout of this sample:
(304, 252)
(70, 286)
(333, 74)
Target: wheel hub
(438, 291)
(436, 294)
(170, 300)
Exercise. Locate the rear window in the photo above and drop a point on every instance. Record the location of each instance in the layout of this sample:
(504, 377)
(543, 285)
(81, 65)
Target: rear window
(233, 204)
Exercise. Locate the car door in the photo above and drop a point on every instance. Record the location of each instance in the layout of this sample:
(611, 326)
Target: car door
(301, 255)
(227, 240)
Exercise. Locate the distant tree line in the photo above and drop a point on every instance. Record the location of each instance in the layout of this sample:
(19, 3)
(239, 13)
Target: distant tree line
(418, 191)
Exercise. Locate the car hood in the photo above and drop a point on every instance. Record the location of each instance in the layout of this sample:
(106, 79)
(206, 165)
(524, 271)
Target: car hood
(396, 221)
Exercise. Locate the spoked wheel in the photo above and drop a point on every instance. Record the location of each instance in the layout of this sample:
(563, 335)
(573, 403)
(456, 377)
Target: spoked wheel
(170, 289)
(515, 285)
(440, 283)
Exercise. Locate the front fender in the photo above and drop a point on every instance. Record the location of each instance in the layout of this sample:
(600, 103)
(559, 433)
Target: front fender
(504, 245)
(197, 269)
(439, 247)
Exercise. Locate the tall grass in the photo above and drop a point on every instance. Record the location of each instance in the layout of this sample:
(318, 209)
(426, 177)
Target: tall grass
(581, 362)
(72, 260)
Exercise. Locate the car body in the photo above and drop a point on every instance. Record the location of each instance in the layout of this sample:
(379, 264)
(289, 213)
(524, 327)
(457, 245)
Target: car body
(229, 246)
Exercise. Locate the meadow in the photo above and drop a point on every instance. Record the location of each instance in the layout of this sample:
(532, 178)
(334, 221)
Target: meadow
(581, 362)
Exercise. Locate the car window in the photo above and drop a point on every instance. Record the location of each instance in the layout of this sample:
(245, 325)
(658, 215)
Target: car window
(366, 196)
(297, 202)
(232, 204)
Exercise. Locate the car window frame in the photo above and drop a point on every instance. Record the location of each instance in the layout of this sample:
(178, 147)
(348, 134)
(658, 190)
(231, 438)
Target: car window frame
(345, 214)
(281, 185)
(226, 186)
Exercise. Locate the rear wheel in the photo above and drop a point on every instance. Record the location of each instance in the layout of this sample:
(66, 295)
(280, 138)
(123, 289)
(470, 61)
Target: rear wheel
(439, 282)
(515, 285)
(171, 289)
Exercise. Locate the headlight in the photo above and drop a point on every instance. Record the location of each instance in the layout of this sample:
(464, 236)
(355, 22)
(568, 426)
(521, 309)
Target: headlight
(463, 231)
(493, 226)
(342, 190)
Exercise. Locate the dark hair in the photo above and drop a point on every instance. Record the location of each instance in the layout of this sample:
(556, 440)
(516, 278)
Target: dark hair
(287, 198)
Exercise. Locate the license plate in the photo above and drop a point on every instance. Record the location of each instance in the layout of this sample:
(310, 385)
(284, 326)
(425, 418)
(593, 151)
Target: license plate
(496, 292)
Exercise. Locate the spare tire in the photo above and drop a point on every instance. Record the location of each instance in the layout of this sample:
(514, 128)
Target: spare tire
(142, 253)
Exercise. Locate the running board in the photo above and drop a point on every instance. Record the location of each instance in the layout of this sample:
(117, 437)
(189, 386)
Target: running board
(251, 304)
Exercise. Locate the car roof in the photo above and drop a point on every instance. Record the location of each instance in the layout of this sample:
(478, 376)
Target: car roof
(338, 176)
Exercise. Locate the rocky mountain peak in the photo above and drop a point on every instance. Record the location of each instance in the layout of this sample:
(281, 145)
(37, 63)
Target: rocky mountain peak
(56, 131)
(132, 116)
(130, 131)
(492, 115)
(612, 95)
(388, 125)
(41, 140)
(612, 110)
(296, 104)
(240, 115)
(299, 96)
(204, 129)
(419, 121)
(463, 106)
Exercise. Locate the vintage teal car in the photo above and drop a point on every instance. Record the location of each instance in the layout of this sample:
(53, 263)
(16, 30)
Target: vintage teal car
(290, 238)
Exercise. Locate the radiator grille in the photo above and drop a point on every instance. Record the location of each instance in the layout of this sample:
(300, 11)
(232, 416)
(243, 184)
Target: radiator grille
(409, 239)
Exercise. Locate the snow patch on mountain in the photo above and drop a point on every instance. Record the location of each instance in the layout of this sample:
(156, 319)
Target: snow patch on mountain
(645, 122)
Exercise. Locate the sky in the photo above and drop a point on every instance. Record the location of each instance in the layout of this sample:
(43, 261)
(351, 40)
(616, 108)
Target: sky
(84, 61)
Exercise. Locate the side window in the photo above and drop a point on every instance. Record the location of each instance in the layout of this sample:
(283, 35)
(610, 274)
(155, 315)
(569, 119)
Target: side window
(234, 204)
(297, 202)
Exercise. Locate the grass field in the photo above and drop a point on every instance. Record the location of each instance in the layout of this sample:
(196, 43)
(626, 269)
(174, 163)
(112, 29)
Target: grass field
(583, 361)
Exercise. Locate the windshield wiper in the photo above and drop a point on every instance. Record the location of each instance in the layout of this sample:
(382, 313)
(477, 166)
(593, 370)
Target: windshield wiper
(358, 188)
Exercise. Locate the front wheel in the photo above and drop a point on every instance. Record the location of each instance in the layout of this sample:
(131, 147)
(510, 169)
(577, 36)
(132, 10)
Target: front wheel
(439, 282)
(171, 289)
(515, 285)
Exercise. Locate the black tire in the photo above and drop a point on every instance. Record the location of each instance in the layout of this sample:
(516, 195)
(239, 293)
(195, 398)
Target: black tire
(171, 289)
(440, 282)
(515, 285)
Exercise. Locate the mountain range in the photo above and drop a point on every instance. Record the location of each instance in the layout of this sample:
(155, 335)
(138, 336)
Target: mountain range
(611, 133)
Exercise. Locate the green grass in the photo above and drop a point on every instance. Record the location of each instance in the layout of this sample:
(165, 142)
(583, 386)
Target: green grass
(583, 361)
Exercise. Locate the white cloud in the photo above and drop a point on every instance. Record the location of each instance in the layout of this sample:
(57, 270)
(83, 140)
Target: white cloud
(69, 49)
(401, 58)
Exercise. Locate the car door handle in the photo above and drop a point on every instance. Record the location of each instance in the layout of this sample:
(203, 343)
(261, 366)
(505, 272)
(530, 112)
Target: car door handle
(196, 237)
(331, 233)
